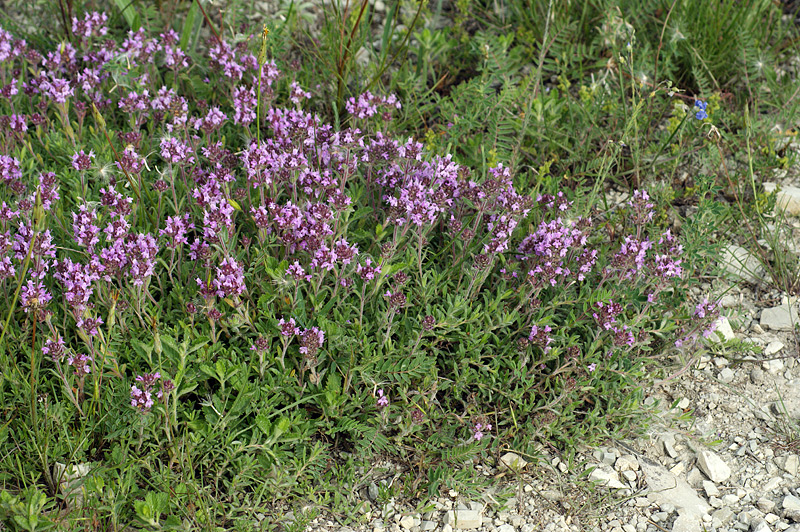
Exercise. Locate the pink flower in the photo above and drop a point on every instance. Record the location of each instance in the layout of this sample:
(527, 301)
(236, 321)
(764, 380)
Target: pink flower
(478, 430)
(383, 401)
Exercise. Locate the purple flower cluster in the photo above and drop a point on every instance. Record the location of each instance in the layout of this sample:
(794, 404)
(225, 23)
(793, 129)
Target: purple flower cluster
(55, 347)
(295, 186)
(176, 152)
(176, 228)
(261, 345)
(311, 340)
(288, 328)
(540, 336)
(297, 94)
(383, 400)
(142, 398)
(81, 363)
(229, 280)
(478, 430)
(233, 62)
(82, 161)
(641, 208)
(607, 314)
(368, 105)
(92, 25)
(34, 296)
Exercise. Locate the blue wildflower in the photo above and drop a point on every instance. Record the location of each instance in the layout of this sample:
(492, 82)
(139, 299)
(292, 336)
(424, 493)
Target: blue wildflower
(701, 109)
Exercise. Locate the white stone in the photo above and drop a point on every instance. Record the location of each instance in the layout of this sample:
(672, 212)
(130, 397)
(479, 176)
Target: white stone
(608, 458)
(407, 522)
(505, 528)
(725, 515)
(447, 527)
(427, 525)
(678, 470)
(742, 264)
(463, 519)
(687, 523)
(362, 56)
(765, 505)
(606, 478)
(730, 499)
(695, 478)
(787, 198)
(726, 375)
(781, 318)
(760, 526)
(791, 503)
(710, 488)
(723, 329)
(512, 461)
(773, 366)
(713, 466)
(669, 446)
(70, 480)
(730, 301)
(670, 492)
(773, 347)
(773, 483)
(626, 463)
(789, 463)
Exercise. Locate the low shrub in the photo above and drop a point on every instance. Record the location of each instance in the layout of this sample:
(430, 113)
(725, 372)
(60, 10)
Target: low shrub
(210, 295)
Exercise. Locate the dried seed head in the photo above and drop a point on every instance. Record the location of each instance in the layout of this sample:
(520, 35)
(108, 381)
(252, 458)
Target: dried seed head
(482, 261)
(398, 299)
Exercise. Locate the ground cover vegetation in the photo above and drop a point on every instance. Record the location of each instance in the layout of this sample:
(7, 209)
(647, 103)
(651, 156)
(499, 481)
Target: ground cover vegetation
(243, 254)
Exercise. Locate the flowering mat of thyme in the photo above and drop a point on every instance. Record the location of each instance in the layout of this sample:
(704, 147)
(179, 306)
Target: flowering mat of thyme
(238, 297)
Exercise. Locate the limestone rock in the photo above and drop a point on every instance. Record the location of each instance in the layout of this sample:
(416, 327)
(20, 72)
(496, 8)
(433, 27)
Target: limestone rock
(512, 461)
(789, 463)
(773, 347)
(407, 522)
(713, 466)
(791, 503)
(463, 519)
(671, 492)
(607, 478)
(723, 328)
(780, 318)
(788, 198)
(687, 523)
(742, 264)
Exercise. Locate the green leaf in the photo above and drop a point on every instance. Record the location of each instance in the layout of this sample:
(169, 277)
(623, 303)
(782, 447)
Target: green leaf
(171, 348)
(188, 25)
(129, 12)
(144, 512)
(263, 423)
(158, 501)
